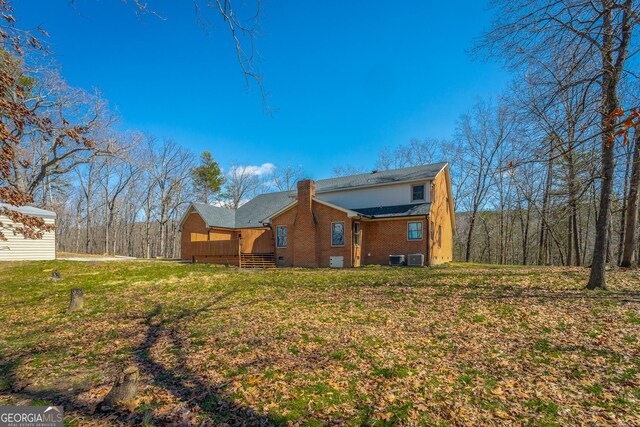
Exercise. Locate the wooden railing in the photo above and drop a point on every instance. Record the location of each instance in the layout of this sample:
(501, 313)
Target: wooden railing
(216, 248)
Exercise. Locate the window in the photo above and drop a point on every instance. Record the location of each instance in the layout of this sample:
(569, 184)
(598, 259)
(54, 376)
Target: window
(337, 234)
(432, 230)
(439, 236)
(414, 230)
(281, 236)
(417, 192)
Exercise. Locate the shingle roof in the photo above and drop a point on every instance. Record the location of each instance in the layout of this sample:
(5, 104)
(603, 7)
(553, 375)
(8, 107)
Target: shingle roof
(260, 208)
(249, 215)
(216, 216)
(380, 177)
(30, 210)
(395, 211)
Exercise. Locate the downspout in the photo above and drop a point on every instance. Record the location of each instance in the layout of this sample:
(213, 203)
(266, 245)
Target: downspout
(427, 239)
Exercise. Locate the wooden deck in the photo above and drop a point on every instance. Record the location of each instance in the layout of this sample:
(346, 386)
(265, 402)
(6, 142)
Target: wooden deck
(231, 252)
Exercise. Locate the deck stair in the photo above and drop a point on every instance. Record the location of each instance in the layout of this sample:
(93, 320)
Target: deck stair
(266, 260)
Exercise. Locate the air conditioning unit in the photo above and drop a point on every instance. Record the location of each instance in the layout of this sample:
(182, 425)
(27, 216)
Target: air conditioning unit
(415, 260)
(396, 260)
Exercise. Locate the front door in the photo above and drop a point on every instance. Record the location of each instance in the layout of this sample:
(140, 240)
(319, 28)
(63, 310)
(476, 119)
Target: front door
(357, 244)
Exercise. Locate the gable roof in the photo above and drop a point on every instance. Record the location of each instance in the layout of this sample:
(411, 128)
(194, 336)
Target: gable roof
(250, 215)
(263, 207)
(215, 216)
(260, 208)
(30, 210)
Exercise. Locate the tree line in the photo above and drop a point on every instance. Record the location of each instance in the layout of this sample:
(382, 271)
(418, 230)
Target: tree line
(548, 173)
(545, 173)
(131, 202)
(114, 192)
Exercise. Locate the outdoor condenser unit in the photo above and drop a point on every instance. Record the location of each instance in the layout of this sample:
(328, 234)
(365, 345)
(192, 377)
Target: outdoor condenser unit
(416, 260)
(396, 260)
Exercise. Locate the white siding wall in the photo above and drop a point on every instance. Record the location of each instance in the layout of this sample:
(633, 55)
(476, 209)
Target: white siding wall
(373, 197)
(18, 248)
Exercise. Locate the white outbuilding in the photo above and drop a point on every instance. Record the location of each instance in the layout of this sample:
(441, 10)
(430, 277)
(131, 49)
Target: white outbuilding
(16, 247)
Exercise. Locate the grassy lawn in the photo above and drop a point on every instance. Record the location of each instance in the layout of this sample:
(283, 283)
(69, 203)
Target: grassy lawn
(457, 345)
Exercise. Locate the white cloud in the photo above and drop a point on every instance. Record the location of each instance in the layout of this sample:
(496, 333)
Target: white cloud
(263, 169)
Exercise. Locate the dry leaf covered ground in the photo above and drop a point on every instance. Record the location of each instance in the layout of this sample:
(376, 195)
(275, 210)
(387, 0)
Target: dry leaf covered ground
(457, 345)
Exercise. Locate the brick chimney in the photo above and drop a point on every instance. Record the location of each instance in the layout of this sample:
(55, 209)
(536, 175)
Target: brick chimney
(304, 253)
(306, 191)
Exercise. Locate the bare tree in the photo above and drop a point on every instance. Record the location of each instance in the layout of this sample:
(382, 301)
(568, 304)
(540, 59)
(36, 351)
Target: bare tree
(347, 170)
(169, 168)
(417, 152)
(593, 36)
(630, 242)
(286, 178)
(482, 131)
(241, 185)
(115, 173)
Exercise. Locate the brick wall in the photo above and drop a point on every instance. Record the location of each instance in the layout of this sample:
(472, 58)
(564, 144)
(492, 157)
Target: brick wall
(284, 256)
(389, 237)
(304, 227)
(326, 215)
(309, 232)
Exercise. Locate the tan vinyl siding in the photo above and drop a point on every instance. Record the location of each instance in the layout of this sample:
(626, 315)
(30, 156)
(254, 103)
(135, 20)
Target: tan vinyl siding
(17, 248)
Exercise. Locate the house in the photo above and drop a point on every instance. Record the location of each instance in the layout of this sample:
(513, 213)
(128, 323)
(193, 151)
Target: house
(338, 222)
(17, 247)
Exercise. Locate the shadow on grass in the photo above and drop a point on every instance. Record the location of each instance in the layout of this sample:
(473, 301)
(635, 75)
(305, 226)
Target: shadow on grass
(194, 392)
(197, 401)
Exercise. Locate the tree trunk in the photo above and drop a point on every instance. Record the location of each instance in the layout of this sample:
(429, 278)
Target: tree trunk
(623, 212)
(611, 75)
(77, 300)
(570, 242)
(542, 244)
(124, 389)
(525, 239)
(576, 235)
(472, 222)
(630, 233)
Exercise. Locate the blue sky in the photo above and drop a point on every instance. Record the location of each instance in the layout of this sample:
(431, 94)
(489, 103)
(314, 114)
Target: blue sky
(346, 78)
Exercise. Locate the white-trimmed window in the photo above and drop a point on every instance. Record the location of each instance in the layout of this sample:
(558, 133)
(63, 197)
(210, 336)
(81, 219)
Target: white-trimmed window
(414, 230)
(337, 233)
(281, 236)
(417, 193)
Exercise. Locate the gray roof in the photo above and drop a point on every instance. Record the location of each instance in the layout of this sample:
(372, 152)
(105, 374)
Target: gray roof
(216, 216)
(30, 210)
(259, 209)
(250, 215)
(414, 173)
(395, 211)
